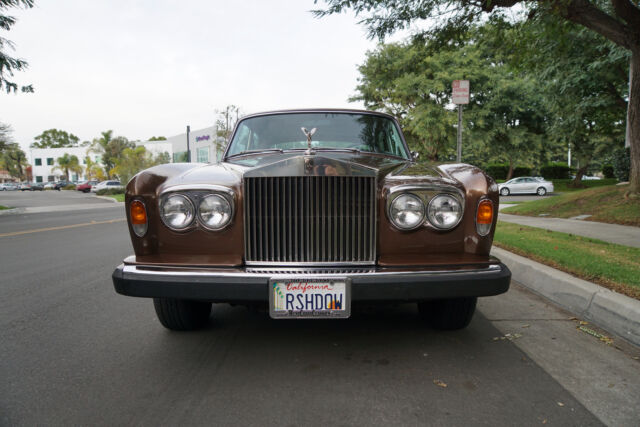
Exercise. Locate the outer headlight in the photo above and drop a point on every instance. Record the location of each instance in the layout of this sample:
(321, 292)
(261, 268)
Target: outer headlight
(214, 212)
(444, 211)
(177, 212)
(406, 211)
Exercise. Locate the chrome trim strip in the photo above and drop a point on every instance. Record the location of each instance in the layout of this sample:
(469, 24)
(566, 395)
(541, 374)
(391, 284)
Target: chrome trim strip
(191, 271)
(198, 187)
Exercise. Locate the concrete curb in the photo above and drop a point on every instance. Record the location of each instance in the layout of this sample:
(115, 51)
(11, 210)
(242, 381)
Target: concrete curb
(610, 310)
(111, 199)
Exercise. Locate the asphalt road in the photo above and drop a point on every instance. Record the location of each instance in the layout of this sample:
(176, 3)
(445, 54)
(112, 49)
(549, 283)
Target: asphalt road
(74, 352)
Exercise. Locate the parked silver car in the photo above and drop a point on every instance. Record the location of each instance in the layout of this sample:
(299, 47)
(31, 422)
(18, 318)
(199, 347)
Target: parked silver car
(9, 186)
(526, 185)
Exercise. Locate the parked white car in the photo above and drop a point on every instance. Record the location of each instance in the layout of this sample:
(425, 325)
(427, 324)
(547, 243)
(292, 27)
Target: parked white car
(526, 185)
(106, 184)
(9, 186)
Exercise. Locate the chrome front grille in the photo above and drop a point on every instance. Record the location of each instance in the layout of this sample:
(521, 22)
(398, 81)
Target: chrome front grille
(310, 220)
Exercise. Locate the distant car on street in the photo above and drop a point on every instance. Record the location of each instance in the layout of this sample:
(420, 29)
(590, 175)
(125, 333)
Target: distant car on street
(526, 185)
(31, 186)
(9, 186)
(107, 185)
(85, 186)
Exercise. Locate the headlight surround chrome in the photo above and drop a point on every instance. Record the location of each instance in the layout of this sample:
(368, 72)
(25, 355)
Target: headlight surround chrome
(406, 211)
(444, 211)
(177, 211)
(214, 212)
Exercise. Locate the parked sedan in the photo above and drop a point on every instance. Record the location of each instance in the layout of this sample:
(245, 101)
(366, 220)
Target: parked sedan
(86, 186)
(526, 185)
(9, 186)
(31, 186)
(107, 185)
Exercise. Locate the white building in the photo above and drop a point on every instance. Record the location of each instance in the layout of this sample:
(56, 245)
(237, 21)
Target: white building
(204, 145)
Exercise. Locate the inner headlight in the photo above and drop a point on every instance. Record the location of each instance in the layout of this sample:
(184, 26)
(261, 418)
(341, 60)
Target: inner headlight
(406, 211)
(214, 212)
(177, 212)
(444, 211)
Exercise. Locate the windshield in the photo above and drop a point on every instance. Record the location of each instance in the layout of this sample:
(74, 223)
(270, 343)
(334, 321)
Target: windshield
(364, 132)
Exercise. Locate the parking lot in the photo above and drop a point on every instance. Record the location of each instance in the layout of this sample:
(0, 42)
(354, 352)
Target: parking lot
(74, 352)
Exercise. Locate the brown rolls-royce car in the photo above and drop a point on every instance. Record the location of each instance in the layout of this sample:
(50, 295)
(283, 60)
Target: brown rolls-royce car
(309, 211)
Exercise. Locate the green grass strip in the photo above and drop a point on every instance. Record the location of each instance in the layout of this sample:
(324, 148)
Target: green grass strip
(118, 197)
(614, 266)
(604, 204)
(3, 208)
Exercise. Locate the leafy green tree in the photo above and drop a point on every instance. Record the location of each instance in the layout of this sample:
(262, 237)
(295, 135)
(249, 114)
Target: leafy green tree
(93, 170)
(110, 149)
(55, 138)
(616, 20)
(5, 136)
(68, 162)
(14, 160)
(157, 138)
(134, 160)
(10, 64)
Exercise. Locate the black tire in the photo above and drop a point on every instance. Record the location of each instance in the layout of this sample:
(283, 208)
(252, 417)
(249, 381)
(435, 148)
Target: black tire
(541, 191)
(182, 315)
(448, 314)
(504, 191)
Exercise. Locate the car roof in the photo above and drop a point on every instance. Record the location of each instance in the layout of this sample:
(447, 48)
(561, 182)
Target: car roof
(318, 110)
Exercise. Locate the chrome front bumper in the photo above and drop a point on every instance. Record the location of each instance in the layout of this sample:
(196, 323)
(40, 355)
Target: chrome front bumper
(239, 285)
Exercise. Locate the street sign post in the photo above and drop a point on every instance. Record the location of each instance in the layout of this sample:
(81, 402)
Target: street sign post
(460, 96)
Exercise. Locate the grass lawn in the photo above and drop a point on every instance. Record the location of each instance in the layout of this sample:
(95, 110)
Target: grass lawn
(613, 266)
(4, 207)
(605, 204)
(118, 197)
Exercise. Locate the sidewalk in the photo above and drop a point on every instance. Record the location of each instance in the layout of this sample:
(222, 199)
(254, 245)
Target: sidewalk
(613, 233)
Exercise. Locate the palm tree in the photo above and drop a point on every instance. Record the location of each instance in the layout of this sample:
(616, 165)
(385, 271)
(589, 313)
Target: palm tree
(68, 163)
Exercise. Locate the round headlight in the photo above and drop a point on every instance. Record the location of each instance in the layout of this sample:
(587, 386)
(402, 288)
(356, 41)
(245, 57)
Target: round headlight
(177, 212)
(406, 211)
(214, 212)
(444, 211)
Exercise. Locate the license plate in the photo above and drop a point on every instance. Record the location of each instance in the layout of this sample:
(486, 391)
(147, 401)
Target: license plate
(309, 298)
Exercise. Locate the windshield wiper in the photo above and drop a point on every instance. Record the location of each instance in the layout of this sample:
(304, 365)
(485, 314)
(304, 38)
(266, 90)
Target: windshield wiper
(265, 150)
(348, 150)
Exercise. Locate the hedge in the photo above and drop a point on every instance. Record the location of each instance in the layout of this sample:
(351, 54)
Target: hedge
(501, 170)
(556, 171)
(107, 191)
(607, 171)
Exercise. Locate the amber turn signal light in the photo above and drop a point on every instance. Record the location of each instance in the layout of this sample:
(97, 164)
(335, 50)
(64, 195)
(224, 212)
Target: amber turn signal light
(484, 217)
(485, 212)
(138, 215)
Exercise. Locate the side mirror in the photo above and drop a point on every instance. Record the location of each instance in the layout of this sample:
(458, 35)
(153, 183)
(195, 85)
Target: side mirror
(414, 155)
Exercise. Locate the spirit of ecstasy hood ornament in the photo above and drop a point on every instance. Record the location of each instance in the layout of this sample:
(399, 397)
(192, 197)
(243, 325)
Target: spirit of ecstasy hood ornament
(309, 134)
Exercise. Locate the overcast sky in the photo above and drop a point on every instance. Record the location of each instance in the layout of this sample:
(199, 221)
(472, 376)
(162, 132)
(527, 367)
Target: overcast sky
(146, 68)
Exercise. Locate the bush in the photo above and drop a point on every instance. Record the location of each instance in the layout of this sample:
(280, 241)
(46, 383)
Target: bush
(556, 171)
(108, 191)
(607, 171)
(69, 187)
(622, 163)
(497, 171)
(501, 170)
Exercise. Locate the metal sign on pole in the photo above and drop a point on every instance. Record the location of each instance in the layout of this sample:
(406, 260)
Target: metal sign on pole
(460, 96)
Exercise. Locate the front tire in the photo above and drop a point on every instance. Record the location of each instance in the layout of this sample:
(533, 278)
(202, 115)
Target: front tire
(182, 315)
(541, 191)
(504, 192)
(448, 314)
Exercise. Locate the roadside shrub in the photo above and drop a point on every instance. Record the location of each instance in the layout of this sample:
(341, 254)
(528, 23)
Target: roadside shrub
(621, 163)
(501, 170)
(109, 191)
(607, 171)
(556, 171)
(69, 187)
(497, 171)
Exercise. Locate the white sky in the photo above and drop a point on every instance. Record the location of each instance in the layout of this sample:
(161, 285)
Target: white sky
(146, 68)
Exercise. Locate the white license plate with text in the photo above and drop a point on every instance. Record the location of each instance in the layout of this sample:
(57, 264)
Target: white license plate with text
(309, 298)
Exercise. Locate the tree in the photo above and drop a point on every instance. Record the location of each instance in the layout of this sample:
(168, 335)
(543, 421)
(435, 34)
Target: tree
(10, 64)
(227, 120)
(55, 138)
(616, 20)
(14, 160)
(93, 170)
(413, 81)
(5, 136)
(157, 138)
(110, 149)
(68, 163)
(135, 159)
